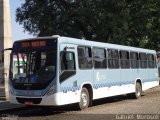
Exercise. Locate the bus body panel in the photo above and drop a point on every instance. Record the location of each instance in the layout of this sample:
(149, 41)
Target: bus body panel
(104, 82)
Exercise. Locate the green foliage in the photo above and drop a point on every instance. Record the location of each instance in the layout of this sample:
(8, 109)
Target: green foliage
(128, 22)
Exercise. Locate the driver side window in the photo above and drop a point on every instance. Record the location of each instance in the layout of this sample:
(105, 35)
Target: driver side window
(67, 61)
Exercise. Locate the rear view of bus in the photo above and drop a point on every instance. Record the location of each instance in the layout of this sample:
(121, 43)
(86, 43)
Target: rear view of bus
(33, 71)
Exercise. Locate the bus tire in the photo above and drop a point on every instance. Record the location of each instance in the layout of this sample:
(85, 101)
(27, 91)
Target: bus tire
(84, 99)
(138, 90)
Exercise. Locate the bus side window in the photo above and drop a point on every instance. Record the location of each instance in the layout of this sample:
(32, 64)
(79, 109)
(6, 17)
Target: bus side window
(151, 60)
(155, 61)
(124, 59)
(134, 60)
(84, 57)
(67, 61)
(113, 59)
(99, 58)
(143, 60)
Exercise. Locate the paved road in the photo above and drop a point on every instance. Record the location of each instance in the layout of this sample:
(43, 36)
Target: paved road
(120, 108)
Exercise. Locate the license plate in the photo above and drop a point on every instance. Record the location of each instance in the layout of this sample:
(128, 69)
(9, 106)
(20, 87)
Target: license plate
(28, 103)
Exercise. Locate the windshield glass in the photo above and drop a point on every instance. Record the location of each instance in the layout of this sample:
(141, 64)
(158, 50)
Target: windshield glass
(33, 66)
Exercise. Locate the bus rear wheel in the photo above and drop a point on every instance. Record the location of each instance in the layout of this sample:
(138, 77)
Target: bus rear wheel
(138, 91)
(84, 99)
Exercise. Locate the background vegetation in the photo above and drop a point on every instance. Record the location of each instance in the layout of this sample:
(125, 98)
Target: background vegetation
(127, 22)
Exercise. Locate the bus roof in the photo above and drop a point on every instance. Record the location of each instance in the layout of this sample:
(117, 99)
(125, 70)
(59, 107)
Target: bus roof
(84, 42)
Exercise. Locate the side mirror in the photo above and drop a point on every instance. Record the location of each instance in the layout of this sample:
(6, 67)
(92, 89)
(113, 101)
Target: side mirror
(7, 49)
(2, 54)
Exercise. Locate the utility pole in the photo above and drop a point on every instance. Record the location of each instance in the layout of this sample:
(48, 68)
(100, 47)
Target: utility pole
(5, 42)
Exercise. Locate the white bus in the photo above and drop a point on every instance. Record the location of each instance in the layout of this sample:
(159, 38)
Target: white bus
(56, 71)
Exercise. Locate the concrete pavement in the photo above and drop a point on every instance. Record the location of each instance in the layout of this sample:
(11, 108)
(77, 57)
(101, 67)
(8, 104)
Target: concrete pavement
(5, 105)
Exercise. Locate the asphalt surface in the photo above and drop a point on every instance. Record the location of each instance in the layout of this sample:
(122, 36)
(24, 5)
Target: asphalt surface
(113, 108)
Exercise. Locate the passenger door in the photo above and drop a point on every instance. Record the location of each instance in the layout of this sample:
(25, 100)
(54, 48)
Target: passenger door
(67, 63)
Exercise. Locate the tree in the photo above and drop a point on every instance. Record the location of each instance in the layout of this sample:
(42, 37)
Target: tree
(144, 23)
(125, 22)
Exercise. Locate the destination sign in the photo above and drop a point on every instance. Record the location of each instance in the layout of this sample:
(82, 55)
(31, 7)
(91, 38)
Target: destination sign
(33, 44)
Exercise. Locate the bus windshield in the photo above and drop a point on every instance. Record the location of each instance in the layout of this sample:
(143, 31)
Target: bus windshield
(33, 66)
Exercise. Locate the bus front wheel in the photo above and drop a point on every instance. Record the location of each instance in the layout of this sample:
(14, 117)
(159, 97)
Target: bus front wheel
(84, 99)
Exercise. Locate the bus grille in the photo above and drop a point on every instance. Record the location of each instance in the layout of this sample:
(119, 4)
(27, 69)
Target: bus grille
(33, 100)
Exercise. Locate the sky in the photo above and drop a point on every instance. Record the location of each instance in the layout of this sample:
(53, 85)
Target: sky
(17, 30)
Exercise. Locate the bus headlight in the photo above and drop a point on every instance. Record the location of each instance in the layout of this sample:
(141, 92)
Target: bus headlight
(51, 91)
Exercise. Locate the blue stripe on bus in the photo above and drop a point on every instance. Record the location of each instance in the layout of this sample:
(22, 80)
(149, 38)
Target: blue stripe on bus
(101, 85)
(70, 88)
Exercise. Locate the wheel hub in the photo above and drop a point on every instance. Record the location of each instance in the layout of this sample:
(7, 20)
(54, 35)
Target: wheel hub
(84, 99)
